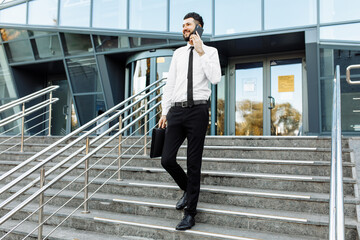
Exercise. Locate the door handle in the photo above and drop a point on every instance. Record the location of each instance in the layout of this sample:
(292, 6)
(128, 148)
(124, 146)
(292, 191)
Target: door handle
(272, 102)
(65, 108)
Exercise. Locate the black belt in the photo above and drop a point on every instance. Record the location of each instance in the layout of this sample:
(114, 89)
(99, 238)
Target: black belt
(185, 104)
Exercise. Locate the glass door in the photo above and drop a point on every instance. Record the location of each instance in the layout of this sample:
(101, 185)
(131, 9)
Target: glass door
(268, 96)
(62, 109)
(285, 99)
(249, 99)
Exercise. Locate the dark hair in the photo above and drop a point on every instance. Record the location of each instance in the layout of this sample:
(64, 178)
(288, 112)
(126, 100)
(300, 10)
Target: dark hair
(196, 17)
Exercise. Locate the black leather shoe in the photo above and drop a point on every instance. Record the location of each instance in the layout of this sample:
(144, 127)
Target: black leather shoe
(182, 202)
(186, 223)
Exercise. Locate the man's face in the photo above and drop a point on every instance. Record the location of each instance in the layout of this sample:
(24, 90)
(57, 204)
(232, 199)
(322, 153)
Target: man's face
(188, 28)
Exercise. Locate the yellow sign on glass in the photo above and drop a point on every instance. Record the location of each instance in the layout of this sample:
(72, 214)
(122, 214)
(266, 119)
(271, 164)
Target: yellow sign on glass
(286, 83)
(160, 60)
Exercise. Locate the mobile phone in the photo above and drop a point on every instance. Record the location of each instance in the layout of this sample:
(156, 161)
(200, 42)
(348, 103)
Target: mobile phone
(199, 30)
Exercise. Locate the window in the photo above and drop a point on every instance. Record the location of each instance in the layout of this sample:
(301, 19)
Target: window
(285, 14)
(75, 13)
(109, 14)
(148, 15)
(237, 16)
(179, 8)
(339, 10)
(15, 14)
(346, 32)
(43, 12)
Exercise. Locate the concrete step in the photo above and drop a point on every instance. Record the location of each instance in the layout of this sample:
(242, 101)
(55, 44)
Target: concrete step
(100, 219)
(295, 183)
(242, 197)
(242, 179)
(296, 167)
(254, 141)
(276, 153)
(61, 233)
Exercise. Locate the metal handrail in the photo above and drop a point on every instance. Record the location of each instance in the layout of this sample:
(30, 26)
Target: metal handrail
(126, 108)
(336, 211)
(26, 112)
(28, 98)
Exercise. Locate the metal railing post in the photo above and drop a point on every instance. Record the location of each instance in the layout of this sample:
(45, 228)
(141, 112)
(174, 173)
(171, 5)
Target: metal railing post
(86, 182)
(50, 113)
(41, 202)
(145, 127)
(22, 128)
(336, 211)
(120, 140)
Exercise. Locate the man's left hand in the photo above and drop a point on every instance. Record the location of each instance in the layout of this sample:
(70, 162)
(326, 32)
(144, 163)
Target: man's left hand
(197, 42)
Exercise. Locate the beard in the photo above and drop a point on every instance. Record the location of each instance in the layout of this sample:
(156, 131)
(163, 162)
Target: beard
(188, 38)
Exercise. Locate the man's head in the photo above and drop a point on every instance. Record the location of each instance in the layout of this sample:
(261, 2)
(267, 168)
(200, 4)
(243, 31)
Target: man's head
(189, 23)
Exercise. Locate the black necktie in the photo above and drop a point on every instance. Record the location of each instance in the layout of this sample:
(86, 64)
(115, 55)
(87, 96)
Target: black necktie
(190, 99)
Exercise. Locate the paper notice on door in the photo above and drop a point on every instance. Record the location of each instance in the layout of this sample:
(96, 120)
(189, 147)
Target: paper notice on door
(286, 83)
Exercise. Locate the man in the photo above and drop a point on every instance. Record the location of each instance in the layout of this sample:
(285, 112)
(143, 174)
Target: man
(185, 111)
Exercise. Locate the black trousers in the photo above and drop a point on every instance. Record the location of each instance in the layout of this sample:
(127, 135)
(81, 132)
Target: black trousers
(190, 123)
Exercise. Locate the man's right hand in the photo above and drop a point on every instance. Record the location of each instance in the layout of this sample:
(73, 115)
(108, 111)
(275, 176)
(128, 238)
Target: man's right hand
(162, 121)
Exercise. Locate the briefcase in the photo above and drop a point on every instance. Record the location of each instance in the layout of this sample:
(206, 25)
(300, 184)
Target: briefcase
(157, 142)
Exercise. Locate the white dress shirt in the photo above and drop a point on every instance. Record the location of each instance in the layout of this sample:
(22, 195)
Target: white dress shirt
(205, 69)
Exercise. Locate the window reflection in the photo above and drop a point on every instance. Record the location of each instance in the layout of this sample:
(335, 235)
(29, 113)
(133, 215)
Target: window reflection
(237, 16)
(339, 10)
(38, 33)
(109, 13)
(148, 15)
(139, 42)
(13, 34)
(19, 51)
(107, 43)
(141, 79)
(249, 99)
(43, 12)
(162, 69)
(7, 94)
(75, 13)
(88, 106)
(15, 14)
(350, 105)
(346, 32)
(179, 8)
(284, 13)
(47, 47)
(84, 75)
(75, 44)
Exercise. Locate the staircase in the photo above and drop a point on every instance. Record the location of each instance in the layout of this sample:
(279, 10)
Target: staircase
(252, 188)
